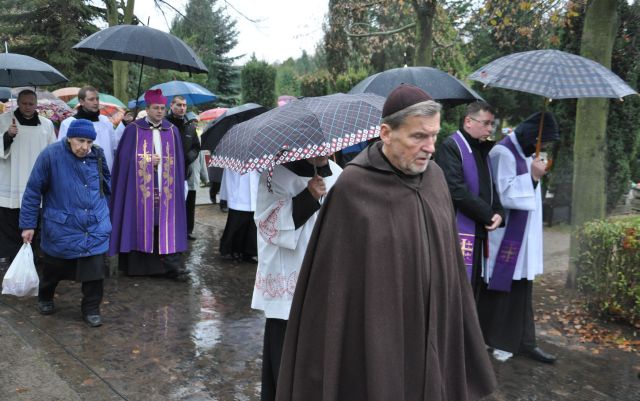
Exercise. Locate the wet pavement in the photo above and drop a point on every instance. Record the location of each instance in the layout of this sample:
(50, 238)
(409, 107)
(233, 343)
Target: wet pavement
(164, 340)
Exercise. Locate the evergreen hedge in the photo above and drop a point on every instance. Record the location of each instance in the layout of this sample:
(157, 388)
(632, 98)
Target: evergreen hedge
(609, 266)
(259, 83)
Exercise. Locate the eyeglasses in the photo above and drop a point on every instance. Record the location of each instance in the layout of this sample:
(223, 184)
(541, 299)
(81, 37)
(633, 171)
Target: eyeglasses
(486, 123)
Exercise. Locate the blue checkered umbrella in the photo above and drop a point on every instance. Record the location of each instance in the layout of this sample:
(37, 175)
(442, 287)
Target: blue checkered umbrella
(553, 74)
(301, 129)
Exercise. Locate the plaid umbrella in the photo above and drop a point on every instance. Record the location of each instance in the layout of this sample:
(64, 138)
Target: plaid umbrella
(553, 74)
(301, 129)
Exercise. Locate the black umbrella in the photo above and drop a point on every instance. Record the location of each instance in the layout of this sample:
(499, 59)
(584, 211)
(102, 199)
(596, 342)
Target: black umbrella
(235, 115)
(20, 70)
(441, 86)
(144, 45)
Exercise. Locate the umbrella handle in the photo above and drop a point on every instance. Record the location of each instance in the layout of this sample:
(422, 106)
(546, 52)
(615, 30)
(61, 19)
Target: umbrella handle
(539, 142)
(549, 165)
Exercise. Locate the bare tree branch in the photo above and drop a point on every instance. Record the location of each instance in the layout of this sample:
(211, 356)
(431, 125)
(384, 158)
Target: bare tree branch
(240, 13)
(381, 33)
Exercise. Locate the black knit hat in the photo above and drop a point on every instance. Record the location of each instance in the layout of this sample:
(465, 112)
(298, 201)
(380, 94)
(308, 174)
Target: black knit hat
(402, 97)
(527, 131)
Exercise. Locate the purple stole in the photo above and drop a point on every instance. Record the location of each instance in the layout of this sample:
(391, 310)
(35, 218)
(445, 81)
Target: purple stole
(467, 226)
(507, 257)
(155, 205)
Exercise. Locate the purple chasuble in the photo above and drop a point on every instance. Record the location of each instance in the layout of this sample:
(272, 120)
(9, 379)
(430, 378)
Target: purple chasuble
(136, 213)
(507, 257)
(467, 226)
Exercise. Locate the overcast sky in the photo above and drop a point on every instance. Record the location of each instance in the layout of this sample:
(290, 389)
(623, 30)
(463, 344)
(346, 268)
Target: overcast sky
(283, 29)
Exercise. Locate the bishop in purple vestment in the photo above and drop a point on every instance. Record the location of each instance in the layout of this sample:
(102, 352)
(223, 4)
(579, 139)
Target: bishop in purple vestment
(148, 212)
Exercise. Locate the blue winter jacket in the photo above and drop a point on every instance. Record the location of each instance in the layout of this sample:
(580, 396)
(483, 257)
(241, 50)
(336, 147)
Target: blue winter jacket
(75, 212)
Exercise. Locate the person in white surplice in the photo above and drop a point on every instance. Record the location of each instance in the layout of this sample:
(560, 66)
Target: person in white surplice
(24, 135)
(239, 237)
(505, 305)
(89, 109)
(286, 211)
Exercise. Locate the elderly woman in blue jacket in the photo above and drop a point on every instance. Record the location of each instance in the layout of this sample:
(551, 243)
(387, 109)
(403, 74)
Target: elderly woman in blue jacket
(72, 182)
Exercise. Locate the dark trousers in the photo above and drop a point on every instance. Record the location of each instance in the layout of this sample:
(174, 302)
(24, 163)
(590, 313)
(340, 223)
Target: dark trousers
(274, 330)
(506, 318)
(10, 233)
(213, 191)
(191, 210)
(92, 291)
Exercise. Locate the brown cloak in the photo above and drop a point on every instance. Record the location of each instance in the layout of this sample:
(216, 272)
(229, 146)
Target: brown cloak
(383, 310)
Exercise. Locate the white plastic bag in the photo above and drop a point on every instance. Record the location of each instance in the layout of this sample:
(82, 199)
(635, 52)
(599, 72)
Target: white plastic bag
(21, 279)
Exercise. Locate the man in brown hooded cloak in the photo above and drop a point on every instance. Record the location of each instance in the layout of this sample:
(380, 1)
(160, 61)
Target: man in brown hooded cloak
(383, 309)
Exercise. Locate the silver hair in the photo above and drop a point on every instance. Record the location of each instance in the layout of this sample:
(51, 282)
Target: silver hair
(428, 108)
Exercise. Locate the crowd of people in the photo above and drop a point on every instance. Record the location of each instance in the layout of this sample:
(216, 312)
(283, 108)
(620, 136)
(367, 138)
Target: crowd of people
(431, 276)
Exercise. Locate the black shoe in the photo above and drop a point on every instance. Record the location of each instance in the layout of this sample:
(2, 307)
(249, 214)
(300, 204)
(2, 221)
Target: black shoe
(191, 237)
(92, 320)
(224, 209)
(46, 307)
(539, 355)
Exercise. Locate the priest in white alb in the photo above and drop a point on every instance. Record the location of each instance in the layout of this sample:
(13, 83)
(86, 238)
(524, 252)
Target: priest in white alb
(24, 135)
(505, 306)
(89, 109)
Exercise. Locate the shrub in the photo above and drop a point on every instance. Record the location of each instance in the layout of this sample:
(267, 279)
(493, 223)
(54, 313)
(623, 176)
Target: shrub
(609, 266)
(345, 82)
(316, 84)
(258, 83)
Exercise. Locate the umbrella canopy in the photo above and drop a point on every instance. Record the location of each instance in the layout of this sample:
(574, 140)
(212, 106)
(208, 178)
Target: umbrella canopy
(212, 114)
(5, 93)
(104, 98)
(441, 86)
(235, 115)
(284, 99)
(553, 74)
(21, 70)
(302, 129)
(41, 94)
(192, 92)
(113, 112)
(67, 93)
(54, 109)
(144, 45)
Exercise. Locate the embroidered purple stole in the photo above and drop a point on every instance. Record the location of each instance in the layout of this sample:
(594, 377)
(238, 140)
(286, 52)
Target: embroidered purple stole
(155, 205)
(467, 226)
(507, 257)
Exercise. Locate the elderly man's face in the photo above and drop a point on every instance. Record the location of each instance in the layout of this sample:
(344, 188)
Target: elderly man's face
(410, 146)
(80, 146)
(155, 112)
(91, 102)
(27, 105)
(179, 107)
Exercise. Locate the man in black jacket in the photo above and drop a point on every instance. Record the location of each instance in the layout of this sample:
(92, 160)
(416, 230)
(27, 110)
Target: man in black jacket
(191, 147)
(463, 158)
